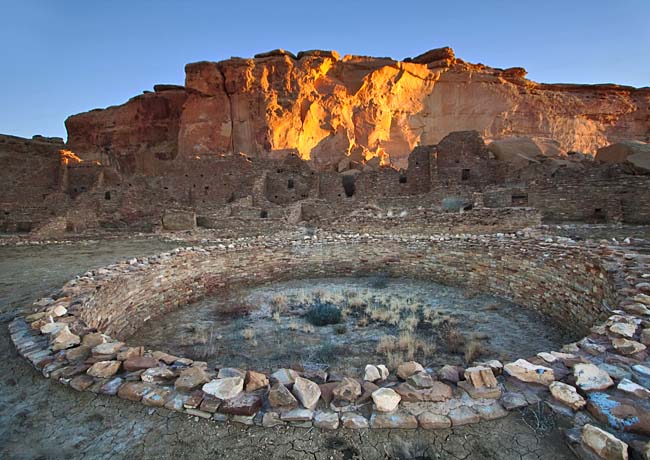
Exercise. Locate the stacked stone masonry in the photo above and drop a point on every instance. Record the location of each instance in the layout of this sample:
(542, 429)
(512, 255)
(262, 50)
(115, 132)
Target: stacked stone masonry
(74, 337)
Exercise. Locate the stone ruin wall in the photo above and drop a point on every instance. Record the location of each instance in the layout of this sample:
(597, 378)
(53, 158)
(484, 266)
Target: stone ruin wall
(570, 285)
(313, 131)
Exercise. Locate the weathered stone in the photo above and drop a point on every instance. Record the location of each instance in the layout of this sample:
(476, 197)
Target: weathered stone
(243, 404)
(635, 389)
(110, 348)
(297, 415)
(139, 363)
(93, 339)
(210, 404)
(280, 396)
(615, 372)
(511, 401)
(449, 373)
(226, 372)
(157, 375)
(156, 397)
(490, 411)
(195, 399)
(354, 421)
(176, 402)
(383, 371)
(624, 328)
(604, 444)
(191, 378)
(104, 369)
(284, 376)
(271, 419)
(527, 372)
(78, 353)
(307, 392)
(132, 352)
(463, 415)
(567, 395)
(242, 419)
(431, 421)
(590, 377)
(627, 347)
(82, 382)
(371, 373)
(421, 380)
(111, 387)
(226, 388)
(255, 381)
(348, 390)
(326, 420)
(481, 376)
(133, 391)
(64, 339)
(407, 369)
(393, 421)
(619, 412)
(438, 392)
(386, 399)
(480, 393)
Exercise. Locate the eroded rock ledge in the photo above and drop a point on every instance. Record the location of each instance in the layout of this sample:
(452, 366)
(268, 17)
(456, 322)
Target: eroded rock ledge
(604, 377)
(324, 108)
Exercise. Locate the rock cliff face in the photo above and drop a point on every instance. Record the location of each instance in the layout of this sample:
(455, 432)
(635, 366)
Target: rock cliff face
(324, 107)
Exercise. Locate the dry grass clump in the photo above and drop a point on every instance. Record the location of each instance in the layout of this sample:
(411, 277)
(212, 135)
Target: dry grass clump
(473, 350)
(453, 338)
(248, 333)
(279, 303)
(308, 329)
(363, 322)
(405, 347)
(277, 318)
(293, 326)
(386, 344)
(356, 303)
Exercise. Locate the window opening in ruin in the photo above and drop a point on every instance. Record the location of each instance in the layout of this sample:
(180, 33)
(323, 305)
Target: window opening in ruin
(290, 184)
(107, 195)
(599, 214)
(402, 180)
(464, 174)
(348, 185)
(264, 214)
(519, 199)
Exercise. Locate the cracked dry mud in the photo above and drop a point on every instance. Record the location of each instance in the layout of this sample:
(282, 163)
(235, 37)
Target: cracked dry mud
(41, 419)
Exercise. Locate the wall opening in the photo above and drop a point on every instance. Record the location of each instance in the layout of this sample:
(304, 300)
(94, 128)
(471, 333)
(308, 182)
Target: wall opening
(348, 185)
(107, 195)
(600, 215)
(290, 184)
(264, 214)
(464, 175)
(402, 179)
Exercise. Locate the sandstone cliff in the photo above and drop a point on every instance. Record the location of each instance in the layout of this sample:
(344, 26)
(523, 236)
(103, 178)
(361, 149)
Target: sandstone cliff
(324, 107)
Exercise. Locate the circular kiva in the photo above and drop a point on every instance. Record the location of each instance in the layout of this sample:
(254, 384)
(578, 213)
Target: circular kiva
(75, 336)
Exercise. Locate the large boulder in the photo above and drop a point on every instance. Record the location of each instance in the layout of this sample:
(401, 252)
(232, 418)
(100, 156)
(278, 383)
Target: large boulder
(604, 444)
(635, 153)
(519, 152)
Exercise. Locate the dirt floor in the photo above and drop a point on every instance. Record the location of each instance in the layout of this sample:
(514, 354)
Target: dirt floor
(40, 419)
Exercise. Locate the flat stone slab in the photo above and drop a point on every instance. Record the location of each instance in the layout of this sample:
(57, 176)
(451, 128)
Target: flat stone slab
(393, 421)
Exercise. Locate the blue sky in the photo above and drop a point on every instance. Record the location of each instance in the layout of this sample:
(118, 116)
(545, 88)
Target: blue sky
(67, 56)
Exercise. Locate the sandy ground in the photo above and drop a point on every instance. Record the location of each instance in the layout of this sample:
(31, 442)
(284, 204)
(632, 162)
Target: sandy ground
(40, 419)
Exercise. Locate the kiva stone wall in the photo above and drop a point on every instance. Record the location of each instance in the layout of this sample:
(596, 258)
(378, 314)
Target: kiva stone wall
(568, 284)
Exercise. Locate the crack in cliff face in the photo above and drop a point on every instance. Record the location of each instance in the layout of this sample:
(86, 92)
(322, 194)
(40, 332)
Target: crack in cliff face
(230, 107)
